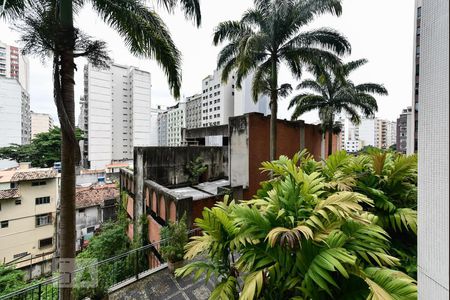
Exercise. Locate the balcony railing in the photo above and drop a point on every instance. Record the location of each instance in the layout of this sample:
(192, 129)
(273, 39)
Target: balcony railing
(112, 274)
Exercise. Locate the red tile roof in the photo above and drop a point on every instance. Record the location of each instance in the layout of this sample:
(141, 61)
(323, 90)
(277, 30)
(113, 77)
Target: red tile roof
(34, 174)
(95, 195)
(9, 194)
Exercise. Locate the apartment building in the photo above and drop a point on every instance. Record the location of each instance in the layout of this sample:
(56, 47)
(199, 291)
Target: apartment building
(28, 201)
(162, 129)
(115, 114)
(15, 121)
(14, 65)
(194, 111)
(404, 130)
(412, 140)
(433, 150)
(40, 123)
(176, 120)
(370, 132)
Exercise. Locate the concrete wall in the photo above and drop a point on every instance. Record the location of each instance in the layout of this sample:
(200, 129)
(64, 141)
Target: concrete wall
(167, 165)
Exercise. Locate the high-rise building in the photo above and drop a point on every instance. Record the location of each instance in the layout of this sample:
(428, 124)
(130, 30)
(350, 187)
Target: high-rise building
(194, 111)
(176, 120)
(433, 150)
(162, 129)
(154, 126)
(15, 121)
(404, 130)
(40, 123)
(116, 110)
(412, 138)
(370, 132)
(13, 64)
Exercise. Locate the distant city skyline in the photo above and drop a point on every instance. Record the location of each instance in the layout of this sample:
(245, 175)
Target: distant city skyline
(383, 36)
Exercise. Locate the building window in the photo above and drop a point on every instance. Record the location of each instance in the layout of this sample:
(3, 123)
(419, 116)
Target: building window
(18, 201)
(38, 183)
(19, 255)
(42, 200)
(42, 220)
(45, 243)
(4, 224)
(90, 229)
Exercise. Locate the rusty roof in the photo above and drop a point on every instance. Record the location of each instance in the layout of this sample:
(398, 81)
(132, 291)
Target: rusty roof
(33, 174)
(95, 195)
(9, 194)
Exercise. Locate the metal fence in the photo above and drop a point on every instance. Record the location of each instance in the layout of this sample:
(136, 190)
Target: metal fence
(99, 278)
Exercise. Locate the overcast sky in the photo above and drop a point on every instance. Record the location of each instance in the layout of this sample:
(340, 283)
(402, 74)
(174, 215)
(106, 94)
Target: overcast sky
(379, 30)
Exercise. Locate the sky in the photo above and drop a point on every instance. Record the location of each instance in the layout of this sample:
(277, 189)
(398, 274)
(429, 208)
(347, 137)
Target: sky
(378, 30)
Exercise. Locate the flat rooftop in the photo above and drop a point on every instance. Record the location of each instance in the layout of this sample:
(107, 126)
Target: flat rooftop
(200, 191)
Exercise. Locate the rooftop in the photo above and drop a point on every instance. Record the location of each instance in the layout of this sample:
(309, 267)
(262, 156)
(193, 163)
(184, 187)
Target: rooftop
(95, 195)
(200, 191)
(27, 174)
(9, 194)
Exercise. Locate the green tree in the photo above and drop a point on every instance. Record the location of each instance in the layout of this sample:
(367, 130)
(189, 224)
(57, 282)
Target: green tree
(49, 30)
(43, 151)
(10, 280)
(299, 239)
(270, 35)
(332, 92)
(195, 169)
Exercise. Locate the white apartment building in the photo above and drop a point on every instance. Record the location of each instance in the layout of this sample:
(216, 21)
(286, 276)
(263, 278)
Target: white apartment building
(405, 130)
(15, 121)
(154, 126)
(28, 201)
(194, 111)
(223, 100)
(433, 150)
(162, 129)
(370, 132)
(13, 64)
(176, 120)
(40, 123)
(116, 112)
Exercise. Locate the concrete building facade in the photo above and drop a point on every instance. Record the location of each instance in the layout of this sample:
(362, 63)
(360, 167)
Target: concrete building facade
(194, 111)
(433, 150)
(13, 64)
(40, 123)
(15, 121)
(116, 110)
(176, 120)
(28, 200)
(404, 130)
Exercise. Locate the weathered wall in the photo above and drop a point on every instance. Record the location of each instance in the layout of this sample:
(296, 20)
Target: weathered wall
(167, 165)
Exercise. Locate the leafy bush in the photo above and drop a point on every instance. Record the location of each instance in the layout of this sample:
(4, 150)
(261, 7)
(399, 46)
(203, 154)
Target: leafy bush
(312, 232)
(175, 238)
(195, 169)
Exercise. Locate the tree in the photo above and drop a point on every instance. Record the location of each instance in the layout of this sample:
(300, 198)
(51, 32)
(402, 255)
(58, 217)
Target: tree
(332, 92)
(269, 35)
(49, 30)
(10, 280)
(43, 151)
(299, 238)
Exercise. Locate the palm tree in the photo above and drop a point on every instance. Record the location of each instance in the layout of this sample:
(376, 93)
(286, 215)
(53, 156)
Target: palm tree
(269, 35)
(333, 92)
(144, 33)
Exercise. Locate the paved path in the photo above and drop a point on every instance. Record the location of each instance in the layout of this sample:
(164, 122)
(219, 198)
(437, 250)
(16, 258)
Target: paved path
(162, 285)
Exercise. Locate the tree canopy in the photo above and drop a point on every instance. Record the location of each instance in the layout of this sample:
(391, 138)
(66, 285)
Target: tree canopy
(43, 151)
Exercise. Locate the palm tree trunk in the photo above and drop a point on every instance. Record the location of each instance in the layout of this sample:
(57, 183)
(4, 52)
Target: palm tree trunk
(330, 142)
(273, 110)
(66, 114)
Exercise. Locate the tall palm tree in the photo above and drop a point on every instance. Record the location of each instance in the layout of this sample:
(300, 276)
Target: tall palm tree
(144, 33)
(269, 35)
(332, 92)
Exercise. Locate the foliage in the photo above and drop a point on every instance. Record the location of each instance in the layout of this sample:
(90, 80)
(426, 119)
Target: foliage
(302, 237)
(99, 248)
(10, 279)
(175, 238)
(42, 152)
(195, 169)
(273, 33)
(332, 92)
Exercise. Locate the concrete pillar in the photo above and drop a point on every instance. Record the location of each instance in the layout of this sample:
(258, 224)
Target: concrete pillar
(139, 200)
